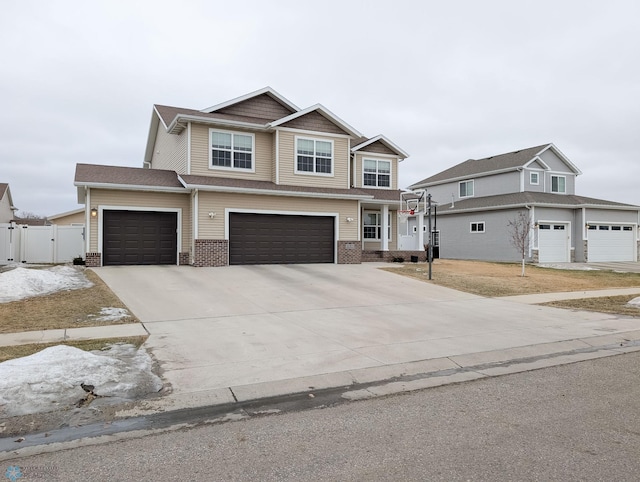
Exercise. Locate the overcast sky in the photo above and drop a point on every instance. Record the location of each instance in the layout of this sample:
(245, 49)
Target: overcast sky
(446, 81)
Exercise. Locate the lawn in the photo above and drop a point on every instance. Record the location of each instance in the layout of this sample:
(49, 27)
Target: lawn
(503, 279)
(63, 309)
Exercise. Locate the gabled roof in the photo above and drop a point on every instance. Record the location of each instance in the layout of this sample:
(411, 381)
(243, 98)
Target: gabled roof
(363, 143)
(5, 191)
(323, 111)
(68, 213)
(529, 198)
(265, 90)
(509, 161)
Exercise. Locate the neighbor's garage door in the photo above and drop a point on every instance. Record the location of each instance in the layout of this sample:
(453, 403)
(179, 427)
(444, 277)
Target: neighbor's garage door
(553, 243)
(280, 239)
(139, 237)
(610, 242)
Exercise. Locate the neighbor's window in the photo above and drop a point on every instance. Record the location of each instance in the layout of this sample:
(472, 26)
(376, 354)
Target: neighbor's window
(558, 184)
(533, 178)
(377, 173)
(477, 227)
(314, 156)
(466, 189)
(231, 150)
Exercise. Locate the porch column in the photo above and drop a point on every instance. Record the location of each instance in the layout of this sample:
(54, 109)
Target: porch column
(384, 226)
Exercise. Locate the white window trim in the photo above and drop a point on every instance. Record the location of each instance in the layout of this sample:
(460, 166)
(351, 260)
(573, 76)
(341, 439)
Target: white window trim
(378, 226)
(537, 174)
(308, 173)
(465, 182)
(565, 183)
(477, 231)
(234, 169)
(377, 173)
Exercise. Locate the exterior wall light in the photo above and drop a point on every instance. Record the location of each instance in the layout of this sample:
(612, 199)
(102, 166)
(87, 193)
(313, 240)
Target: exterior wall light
(349, 220)
(94, 213)
(211, 214)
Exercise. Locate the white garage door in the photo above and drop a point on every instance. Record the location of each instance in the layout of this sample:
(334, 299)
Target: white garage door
(611, 242)
(553, 243)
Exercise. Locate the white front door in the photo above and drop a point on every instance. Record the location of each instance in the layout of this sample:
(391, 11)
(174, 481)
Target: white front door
(553, 243)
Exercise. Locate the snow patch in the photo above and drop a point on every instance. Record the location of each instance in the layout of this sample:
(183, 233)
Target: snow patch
(573, 266)
(634, 302)
(50, 379)
(20, 283)
(112, 314)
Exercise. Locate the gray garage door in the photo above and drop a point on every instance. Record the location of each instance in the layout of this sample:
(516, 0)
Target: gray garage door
(280, 239)
(139, 237)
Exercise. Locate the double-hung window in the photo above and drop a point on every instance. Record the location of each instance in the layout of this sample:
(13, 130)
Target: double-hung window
(533, 178)
(477, 227)
(314, 156)
(373, 226)
(231, 150)
(558, 184)
(377, 173)
(466, 189)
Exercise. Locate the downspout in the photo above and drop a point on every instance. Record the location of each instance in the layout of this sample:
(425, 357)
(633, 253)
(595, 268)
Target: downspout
(195, 234)
(188, 147)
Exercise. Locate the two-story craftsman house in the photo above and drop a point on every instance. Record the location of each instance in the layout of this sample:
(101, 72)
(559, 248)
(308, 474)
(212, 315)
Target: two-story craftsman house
(477, 199)
(254, 180)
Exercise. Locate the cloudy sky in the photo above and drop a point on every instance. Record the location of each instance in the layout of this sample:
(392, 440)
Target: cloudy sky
(446, 81)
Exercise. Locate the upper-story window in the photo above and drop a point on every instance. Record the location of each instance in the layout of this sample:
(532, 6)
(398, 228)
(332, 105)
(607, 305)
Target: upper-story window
(231, 150)
(534, 178)
(314, 156)
(558, 184)
(377, 173)
(466, 189)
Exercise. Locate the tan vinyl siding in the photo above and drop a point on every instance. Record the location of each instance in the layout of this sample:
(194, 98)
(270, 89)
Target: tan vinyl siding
(217, 202)
(170, 151)
(288, 156)
(314, 122)
(379, 148)
(139, 199)
(358, 181)
(262, 158)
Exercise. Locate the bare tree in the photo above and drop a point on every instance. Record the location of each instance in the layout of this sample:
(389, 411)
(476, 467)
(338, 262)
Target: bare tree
(519, 232)
(29, 215)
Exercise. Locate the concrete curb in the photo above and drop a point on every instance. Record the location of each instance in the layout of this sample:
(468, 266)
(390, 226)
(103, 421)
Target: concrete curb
(84, 333)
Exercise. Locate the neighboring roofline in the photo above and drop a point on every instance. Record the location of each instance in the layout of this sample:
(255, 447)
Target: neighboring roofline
(537, 204)
(128, 187)
(7, 191)
(564, 158)
(385, 141)
(265, 90)
(469, 177)
(156, 119)
(68, 213)
(322, 111)
(539, 160)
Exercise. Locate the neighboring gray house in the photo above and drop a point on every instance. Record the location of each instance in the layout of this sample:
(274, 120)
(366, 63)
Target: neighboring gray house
(477, 198)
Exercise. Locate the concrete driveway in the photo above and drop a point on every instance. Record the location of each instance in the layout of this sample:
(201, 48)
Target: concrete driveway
(240, 325)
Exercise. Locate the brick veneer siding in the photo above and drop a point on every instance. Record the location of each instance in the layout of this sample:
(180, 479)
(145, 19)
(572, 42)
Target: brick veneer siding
(535, 256)
(211, 252)
(390, 256)
(183, 258)
(93, 260)
(349, 252)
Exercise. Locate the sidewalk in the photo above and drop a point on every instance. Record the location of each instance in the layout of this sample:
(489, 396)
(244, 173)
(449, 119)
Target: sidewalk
(73, 334)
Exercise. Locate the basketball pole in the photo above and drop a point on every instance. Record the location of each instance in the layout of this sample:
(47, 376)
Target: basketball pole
(430, 249)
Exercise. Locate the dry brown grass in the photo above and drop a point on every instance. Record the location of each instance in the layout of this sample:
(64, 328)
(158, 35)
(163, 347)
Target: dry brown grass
(64, 309)
(10, 352)
(503, 279)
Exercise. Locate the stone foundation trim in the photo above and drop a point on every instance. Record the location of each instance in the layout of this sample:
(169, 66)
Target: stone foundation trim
(349, 252)
(183, 258)
(93, 260)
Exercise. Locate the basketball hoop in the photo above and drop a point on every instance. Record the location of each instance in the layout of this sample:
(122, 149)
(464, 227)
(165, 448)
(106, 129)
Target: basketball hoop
(403, 214)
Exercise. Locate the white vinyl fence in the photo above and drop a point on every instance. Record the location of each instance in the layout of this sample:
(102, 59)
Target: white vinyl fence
(20, 243)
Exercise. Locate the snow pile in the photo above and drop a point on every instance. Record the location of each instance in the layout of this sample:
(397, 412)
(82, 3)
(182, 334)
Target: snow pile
(20, 283)
(573, 266)
(50, 379)
(112, 314)
(634, 302)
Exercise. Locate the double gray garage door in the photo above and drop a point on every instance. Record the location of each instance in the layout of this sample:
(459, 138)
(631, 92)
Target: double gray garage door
(149, 237)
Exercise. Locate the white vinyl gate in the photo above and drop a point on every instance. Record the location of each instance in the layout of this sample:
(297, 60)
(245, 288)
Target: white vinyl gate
(40, 244)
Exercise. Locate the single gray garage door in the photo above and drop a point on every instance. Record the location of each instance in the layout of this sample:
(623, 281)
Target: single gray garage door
(280, 239)
(139, 237)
